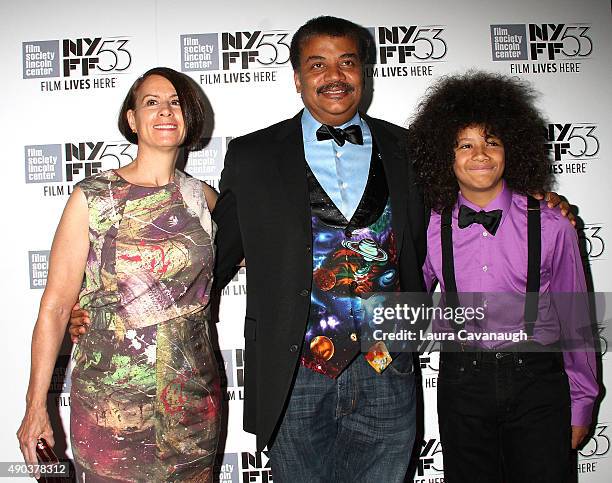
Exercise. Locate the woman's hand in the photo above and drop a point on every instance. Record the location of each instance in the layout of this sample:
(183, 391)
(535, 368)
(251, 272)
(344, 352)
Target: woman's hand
(35, 425)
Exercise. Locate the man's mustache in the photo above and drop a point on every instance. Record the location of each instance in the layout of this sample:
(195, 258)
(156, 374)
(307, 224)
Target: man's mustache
(345, 86)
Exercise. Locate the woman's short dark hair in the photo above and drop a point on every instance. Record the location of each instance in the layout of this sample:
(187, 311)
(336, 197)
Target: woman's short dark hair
(333, 27)
(190, 98)
(504, 106)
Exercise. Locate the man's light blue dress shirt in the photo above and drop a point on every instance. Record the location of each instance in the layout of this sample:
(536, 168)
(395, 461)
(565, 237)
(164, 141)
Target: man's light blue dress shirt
(342, 171)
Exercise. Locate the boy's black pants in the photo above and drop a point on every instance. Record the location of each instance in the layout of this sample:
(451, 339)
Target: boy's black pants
(504, 417)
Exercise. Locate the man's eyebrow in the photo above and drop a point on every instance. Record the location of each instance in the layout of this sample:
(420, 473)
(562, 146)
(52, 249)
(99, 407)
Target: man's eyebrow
(348, 55)
(314, 57)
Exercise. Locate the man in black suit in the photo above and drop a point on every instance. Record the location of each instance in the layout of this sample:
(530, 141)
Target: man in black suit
(288, 192)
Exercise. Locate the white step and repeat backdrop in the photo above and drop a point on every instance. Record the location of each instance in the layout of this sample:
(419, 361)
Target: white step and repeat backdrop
(66, 66)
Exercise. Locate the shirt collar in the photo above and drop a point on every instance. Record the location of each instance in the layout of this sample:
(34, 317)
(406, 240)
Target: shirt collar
(501, 202)
(310, 125)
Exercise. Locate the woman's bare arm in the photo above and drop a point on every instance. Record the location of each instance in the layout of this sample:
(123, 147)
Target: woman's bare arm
(66, 267)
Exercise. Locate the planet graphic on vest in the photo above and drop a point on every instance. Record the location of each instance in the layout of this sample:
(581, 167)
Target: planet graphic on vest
(368, 249)
(322, 347)
(324, 278)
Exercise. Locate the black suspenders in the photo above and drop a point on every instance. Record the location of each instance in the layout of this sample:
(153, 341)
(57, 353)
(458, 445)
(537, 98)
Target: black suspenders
(534, 258)
(534, 261)
(448, 263)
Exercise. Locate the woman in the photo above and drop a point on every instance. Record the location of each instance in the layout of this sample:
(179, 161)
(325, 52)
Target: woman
(145, 398)
(507, 410)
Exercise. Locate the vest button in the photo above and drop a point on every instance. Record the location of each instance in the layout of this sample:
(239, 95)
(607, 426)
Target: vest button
(304, 292)
(293, 348)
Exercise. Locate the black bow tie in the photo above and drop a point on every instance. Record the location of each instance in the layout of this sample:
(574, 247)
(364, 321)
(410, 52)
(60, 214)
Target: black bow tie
(352, 134)
(490, 220)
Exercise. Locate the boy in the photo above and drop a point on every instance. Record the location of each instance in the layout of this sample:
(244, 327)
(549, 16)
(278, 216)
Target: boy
(507, 411)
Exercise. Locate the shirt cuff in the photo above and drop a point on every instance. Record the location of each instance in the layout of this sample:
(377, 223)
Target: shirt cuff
(582, 413)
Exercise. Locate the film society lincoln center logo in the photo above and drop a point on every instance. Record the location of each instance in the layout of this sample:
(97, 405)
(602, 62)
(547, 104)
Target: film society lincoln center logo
(542, 48)
(235, 57)
(76, 63)
(206, 164)
(39, 267)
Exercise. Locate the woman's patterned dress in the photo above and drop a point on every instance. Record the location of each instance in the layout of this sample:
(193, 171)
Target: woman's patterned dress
(145, 400)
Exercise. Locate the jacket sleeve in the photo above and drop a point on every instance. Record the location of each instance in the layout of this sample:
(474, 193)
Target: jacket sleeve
(228, 239)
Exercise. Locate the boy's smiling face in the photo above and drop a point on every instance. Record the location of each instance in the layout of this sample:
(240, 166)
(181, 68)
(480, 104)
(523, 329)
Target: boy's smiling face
(479, 164)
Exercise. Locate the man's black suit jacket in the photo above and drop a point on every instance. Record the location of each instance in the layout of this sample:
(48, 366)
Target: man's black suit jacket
(263, 215)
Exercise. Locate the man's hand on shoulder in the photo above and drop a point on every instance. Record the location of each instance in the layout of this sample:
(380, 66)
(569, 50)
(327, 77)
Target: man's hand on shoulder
(554, 200)
(79, 323)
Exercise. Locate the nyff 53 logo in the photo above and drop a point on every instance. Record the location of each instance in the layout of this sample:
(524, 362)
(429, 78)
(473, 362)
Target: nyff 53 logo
(75, 57)
(551, 41)
(594, 451)
(599, 444)
(430, 458)
(572, 141)
(592, 237)
(256, 467)
(429, 360)
(409, 43)
(546, 41)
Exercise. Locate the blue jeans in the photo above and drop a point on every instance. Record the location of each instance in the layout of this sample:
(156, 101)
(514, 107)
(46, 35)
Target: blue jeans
(358, 427)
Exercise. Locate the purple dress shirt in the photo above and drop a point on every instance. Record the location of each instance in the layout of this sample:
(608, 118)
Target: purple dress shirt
(486, 263)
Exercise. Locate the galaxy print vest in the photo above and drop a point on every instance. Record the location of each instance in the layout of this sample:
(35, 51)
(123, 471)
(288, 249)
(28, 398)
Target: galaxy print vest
(350, 259)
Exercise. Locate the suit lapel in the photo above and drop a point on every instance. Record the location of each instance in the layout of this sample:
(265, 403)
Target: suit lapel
(291, 164)
(396, 173)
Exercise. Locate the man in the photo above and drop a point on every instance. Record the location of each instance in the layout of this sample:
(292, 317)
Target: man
(283, 190)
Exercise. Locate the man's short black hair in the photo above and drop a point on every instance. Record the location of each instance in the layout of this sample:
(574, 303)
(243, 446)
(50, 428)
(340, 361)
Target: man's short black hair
(333, 27)
(191, 102)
